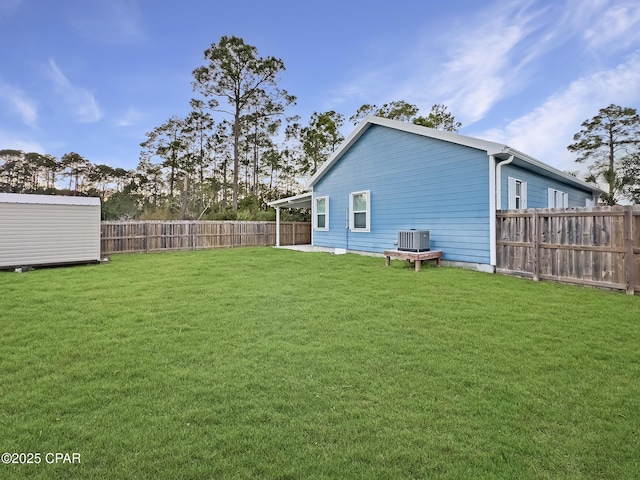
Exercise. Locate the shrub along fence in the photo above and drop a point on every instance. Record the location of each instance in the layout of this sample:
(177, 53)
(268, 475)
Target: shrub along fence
(152, 236)
(597, 246)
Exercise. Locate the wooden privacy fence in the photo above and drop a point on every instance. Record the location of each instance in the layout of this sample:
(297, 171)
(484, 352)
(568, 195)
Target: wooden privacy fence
(597, 246)
(151, 236)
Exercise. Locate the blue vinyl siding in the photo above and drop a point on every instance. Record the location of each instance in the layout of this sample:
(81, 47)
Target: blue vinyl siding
(415, 182)
(537, 188)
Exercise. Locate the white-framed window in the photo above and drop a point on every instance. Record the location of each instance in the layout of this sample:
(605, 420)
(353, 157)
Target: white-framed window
(360, 211)
(517, 194)
(557, 199)
(321, 214)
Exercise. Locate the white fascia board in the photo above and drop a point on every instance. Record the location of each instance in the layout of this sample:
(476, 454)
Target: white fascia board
(489, 147)
(48, 199)
(554, 171)
(296, 201)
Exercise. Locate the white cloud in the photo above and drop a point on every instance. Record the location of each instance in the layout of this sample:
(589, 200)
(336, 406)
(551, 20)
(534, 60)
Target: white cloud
(131, 117)
(107, 21)
(81, 101)
(547, 130)
(366, 86)
(20, 103)
(494, 55)
(619, 24)
(477, 73)
(16, 142)
(470, 65)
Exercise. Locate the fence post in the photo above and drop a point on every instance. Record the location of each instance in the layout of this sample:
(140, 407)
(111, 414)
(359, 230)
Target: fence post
(629, 256)
(535, 253)
(294, 233)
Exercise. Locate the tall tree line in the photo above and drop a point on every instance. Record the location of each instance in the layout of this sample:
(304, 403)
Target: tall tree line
(71, 174)
(236, 150)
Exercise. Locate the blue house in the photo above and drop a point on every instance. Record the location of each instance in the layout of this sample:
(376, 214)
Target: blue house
(389, 176)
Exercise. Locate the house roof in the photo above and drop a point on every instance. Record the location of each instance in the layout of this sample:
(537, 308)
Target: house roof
(498, 150)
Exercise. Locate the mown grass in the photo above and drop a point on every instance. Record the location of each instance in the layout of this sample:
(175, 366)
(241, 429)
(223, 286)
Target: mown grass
(264, 363)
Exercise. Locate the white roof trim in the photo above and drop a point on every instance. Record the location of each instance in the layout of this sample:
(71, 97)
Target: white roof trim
(48, 199)
(302, 200)
(554, 171)
(491, 148)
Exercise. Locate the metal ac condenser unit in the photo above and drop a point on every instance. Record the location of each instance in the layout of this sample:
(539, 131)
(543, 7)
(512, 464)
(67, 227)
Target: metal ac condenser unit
(413, 240)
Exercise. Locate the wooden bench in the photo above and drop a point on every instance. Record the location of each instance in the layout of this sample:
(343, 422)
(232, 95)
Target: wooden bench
(415, 257)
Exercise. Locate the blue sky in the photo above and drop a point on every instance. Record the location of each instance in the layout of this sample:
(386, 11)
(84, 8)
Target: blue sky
(92, 76)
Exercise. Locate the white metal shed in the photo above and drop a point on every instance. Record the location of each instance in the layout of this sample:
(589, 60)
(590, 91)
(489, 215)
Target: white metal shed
(48, 230)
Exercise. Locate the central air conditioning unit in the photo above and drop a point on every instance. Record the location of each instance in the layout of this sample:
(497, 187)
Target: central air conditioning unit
(413, 240)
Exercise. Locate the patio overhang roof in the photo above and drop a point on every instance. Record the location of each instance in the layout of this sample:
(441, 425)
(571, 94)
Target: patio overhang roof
(302, 200)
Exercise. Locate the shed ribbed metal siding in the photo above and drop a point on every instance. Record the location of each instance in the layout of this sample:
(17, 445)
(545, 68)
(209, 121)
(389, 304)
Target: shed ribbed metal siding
(44, 234)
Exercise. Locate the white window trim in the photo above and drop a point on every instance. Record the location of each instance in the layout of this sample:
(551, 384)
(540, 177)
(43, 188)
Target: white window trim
(326, 214)
(512, 194)
(554, 197)
(367, 211)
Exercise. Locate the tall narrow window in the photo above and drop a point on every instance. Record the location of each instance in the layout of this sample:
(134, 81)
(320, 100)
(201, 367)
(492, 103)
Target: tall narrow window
(558, 199)
(360, 211)
(517, 194)
(322, 213)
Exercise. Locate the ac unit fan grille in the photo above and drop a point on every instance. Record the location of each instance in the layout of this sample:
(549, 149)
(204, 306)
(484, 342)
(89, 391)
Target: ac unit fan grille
(413, 240)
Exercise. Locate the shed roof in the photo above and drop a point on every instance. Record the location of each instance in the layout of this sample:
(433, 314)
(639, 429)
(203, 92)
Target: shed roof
(499, 150)
(47, 199)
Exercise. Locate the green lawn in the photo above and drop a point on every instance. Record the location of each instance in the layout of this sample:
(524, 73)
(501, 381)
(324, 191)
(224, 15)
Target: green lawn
(265, 363)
